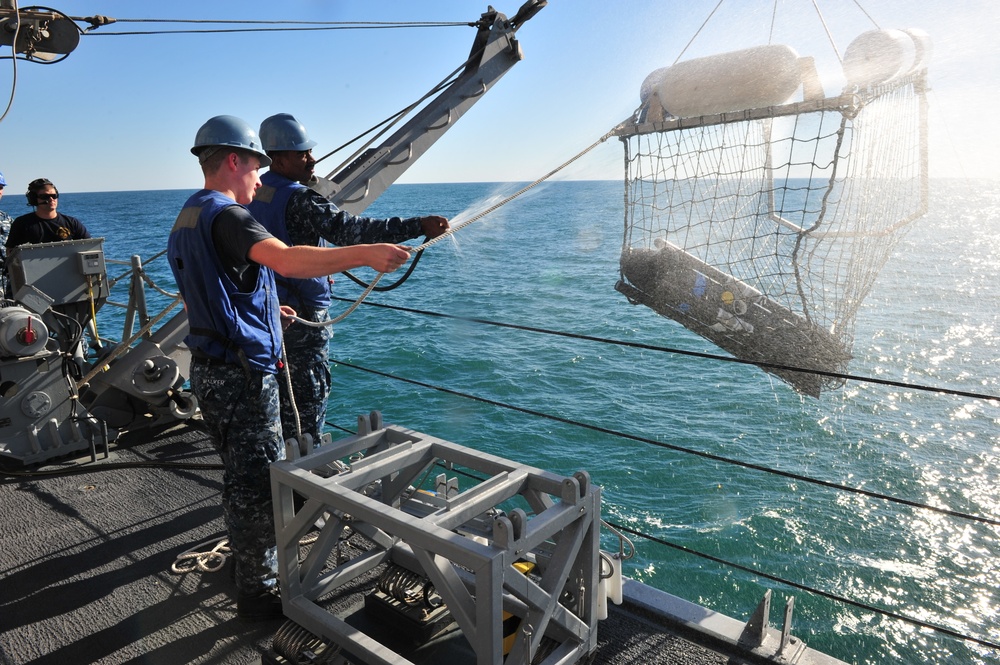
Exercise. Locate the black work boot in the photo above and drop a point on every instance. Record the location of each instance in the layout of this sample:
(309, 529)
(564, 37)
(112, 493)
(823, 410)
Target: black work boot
(260, 607)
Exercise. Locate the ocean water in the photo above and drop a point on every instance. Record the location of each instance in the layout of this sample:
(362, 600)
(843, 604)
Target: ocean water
(549, 259)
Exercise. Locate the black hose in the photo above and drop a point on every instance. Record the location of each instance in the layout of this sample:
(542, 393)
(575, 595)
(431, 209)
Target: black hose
(390, 287)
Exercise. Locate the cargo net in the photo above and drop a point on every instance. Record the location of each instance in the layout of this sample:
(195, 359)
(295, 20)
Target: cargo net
(763, 231)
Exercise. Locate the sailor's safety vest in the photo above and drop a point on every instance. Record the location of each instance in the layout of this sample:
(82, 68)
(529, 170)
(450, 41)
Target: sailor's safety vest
(226, 324)
(268, 208)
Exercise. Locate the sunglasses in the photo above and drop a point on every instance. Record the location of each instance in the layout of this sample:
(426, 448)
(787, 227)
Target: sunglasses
(47, 197)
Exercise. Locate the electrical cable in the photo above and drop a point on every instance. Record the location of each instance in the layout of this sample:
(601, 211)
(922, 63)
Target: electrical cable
(13, 83)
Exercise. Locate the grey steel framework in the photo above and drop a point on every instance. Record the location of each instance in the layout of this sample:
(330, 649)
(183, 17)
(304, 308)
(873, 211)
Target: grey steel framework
(440, 536)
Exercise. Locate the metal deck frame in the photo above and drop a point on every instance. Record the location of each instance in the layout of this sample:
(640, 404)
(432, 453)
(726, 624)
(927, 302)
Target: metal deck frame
(474, 576)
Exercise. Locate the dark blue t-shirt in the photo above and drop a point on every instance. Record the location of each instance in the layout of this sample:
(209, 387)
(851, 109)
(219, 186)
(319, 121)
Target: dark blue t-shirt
(33, 229)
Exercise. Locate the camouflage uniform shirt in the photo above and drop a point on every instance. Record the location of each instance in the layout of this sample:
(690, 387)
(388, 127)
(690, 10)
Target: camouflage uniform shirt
(310, 218)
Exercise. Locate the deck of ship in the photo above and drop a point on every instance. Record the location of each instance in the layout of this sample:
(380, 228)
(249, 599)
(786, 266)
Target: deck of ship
(86, 567)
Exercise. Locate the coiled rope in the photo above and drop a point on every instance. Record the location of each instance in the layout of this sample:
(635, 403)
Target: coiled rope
(204, 561)
(213, 559)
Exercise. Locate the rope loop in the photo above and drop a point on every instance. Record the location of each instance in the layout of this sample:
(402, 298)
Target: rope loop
(205, 561)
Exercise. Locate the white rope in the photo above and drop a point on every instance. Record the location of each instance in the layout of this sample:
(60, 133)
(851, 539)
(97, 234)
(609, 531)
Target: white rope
(291, 391)
(205, 561)
(125, 346)
(455, 229)
(212, 560)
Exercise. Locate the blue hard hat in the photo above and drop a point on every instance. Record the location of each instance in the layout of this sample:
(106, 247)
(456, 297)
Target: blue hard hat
(229, 131)
(283, 132)
(3, 181)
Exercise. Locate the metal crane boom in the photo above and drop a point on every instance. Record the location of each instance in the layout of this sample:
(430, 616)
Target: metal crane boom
(494, 51)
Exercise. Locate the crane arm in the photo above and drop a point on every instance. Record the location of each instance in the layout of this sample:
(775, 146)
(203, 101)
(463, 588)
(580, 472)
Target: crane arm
(494, 51)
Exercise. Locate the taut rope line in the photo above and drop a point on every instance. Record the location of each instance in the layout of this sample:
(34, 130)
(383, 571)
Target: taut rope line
(457, 227)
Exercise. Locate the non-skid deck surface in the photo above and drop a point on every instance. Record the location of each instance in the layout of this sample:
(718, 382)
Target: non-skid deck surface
(85, 558)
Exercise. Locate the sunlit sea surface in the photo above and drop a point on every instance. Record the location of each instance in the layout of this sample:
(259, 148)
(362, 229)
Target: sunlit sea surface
(549, 259)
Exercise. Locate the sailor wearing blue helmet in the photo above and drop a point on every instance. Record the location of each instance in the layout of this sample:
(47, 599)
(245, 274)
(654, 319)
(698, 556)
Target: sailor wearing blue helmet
(224, 262)
(299, 216)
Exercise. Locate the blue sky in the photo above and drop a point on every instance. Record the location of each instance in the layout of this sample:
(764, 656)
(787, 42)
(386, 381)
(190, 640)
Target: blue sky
(120, 113)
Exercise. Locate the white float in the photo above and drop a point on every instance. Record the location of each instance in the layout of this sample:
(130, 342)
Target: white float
(751, 78)
(878, 56)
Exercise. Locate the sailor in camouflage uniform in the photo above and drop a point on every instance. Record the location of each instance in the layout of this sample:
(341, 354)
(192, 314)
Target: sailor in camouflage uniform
(299, 216)
(5, 221)
(224, 263)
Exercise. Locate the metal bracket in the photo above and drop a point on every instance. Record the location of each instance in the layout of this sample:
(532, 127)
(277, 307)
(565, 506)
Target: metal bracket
(370, 423)
(758, 638)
